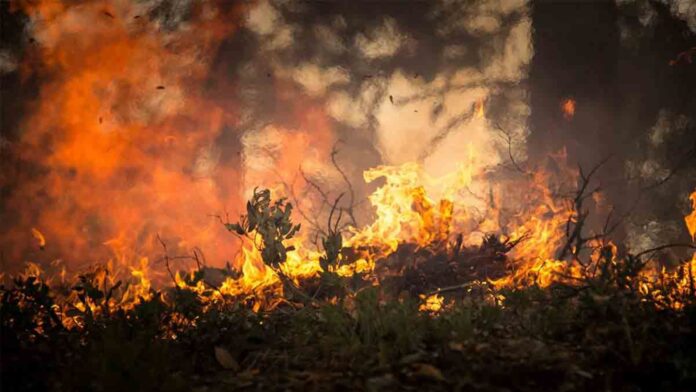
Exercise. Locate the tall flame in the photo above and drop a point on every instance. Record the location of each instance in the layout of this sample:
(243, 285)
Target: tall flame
(121, 139)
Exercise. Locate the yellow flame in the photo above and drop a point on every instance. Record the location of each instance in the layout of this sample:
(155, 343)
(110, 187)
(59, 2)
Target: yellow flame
(413, 207)
(479, 110)
(432, 303)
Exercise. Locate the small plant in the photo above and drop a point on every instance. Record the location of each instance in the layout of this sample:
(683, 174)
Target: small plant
(333, 242)
(271, 221)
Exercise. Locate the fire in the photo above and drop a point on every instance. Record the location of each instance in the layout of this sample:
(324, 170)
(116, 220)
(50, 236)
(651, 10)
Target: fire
(412, 207)
(125, 136)
(404, 213)
(691, 218)
(432, 303)
(479, 109)
(568, 108)
(120, 142)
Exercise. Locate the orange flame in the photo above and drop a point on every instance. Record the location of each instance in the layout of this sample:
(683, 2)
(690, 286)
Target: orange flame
(479, 109)
(123, 131)
(126, 135)
(691, 218)
(568, 108)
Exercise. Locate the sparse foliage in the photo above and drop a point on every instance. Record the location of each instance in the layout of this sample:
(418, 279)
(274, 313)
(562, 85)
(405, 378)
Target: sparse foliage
(269, 220)
(602, 331)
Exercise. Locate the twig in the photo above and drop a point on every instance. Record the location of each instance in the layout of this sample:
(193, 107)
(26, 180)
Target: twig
(199, 264)
(166, 259)
(351, 203)
(576, 240)
(681, 164)
(298, 206)
(455, 288)
(508, 139)
(333, 210)
(314, 185)
(667, 246)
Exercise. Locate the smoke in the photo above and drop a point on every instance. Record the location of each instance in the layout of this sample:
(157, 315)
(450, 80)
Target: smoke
(119, 144)
(395, 86)
(151, 117)
(685, 10)
(658, 146)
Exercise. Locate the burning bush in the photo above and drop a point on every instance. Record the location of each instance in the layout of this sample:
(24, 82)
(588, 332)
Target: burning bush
(412, 230)
(577, 324)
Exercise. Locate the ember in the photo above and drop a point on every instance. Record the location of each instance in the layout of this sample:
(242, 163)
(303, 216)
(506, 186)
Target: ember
(568, 108)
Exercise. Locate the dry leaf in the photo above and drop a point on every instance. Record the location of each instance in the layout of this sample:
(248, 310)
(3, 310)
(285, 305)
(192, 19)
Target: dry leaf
(428, 371)
(225, 359)
(39, 237)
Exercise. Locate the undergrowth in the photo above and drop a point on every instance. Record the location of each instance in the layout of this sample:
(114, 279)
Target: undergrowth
(602, 336)
(600, 333)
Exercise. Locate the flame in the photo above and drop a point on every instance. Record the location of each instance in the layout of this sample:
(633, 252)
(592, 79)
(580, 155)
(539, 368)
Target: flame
(405, 212)
(568, 108)
(691, 218)
(479, 109)
(669, 288)
(124, 134)
(412, 207)
(432, 303)
(142, 281)
(120, 142)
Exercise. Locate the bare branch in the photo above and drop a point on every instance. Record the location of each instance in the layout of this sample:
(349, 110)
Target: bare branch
(575, 239)
(456, 287)
(682, 163)
(351, 203)
(166, 259)
(508, 140)
(314, 185)
(667, 246)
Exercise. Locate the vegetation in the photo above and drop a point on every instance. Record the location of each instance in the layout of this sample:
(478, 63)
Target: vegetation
(601, 337)
(602, 332)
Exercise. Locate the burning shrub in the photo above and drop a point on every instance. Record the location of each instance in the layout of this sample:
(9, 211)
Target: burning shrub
(270, 221)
